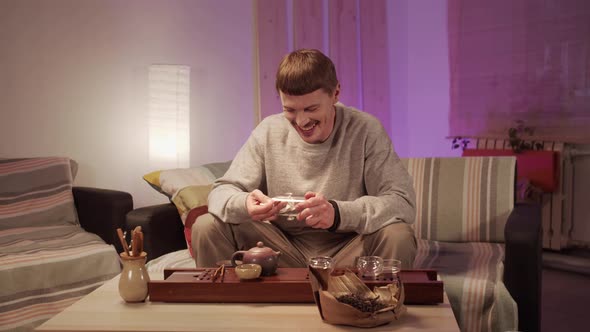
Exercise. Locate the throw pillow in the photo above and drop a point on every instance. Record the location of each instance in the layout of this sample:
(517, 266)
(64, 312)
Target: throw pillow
(168, 182)
(191, 203)
(187, 189)
(37, 192)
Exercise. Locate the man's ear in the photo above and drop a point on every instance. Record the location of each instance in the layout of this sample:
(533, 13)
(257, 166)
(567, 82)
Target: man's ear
(336, 93)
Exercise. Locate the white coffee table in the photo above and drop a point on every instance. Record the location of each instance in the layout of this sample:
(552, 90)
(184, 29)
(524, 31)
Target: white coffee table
(104, 310)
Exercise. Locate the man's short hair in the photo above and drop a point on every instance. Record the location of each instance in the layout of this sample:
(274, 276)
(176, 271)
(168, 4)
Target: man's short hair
(304, 71)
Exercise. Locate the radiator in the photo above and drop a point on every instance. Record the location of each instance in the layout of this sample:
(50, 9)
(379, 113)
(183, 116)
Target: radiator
(557, 207)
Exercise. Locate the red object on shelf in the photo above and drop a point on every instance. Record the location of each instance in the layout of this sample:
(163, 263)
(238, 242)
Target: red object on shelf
(541, 168)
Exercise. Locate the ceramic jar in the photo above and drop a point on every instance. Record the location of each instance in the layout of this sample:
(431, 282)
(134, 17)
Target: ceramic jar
(133, 282)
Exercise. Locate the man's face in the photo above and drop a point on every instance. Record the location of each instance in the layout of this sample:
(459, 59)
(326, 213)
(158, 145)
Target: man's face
(312, 115)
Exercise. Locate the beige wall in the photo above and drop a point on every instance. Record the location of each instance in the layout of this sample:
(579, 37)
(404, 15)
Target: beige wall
(74, 81)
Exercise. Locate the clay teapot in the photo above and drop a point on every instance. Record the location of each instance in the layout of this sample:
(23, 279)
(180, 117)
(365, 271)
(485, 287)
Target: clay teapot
(261, 255)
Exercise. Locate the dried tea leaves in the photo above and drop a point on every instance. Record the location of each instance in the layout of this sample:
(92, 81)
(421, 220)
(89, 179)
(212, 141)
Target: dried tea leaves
(362, 302)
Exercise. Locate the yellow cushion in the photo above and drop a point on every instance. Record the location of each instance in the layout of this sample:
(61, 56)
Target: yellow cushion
(169, 181)
(188, 189)
(191, 197)
(153, 178)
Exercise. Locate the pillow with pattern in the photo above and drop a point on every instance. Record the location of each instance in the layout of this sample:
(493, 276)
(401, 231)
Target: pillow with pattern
(187, 189)
(191, 203)
(168, 182)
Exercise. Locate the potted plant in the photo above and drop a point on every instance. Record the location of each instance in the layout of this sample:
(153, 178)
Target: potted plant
(517, 143)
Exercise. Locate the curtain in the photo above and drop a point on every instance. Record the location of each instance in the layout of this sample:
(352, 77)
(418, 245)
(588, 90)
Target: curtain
(353, 33)
(526, 60)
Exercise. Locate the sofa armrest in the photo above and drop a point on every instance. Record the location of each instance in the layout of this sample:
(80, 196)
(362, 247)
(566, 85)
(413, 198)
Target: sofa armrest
(523, 263)
(163, 231)
(102, 211)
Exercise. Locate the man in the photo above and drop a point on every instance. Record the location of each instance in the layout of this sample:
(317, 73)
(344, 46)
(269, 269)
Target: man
(359, 199)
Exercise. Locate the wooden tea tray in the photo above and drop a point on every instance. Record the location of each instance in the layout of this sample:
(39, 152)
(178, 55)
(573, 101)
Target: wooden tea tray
(288, 285)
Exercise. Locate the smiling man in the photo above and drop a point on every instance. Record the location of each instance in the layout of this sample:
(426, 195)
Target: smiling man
(359, 198)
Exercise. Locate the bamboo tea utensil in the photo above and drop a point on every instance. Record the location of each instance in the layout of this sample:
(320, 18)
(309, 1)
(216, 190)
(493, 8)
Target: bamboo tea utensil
(134, 244)
(140, 242)
(123, 242)
(216, 273)
(222, 272)
(137, 241)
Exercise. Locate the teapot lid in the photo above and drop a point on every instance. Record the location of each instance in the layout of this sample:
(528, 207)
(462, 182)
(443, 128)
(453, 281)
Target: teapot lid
(261, 249)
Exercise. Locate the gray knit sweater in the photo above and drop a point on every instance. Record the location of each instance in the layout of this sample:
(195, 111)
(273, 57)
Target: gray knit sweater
(356, 167)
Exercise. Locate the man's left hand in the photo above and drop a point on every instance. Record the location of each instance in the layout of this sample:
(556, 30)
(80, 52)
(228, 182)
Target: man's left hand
(316, 211)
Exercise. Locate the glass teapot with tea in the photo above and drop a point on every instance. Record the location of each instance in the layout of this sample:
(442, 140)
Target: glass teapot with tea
(267, 258)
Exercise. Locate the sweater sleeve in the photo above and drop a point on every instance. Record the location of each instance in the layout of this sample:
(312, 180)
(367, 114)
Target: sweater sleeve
(227, 199)
(390, 195)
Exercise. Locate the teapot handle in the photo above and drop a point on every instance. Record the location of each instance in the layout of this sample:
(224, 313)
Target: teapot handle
(237, 256)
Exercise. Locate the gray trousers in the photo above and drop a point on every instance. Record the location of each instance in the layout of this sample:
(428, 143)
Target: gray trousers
(213, 241)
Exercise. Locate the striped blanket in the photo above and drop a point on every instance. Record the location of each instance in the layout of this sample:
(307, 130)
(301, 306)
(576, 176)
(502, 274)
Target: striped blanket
(45, 269)
(37, 192)
(472, 273)
(462, 207)
(47, 261)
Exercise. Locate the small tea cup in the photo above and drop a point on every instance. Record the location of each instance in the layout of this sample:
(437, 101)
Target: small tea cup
(391, 266)
(248, 271)
(369, 266)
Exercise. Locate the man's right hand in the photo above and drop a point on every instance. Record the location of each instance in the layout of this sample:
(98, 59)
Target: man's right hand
(261, 207)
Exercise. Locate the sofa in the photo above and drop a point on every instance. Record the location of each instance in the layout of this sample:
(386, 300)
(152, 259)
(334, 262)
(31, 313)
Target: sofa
(57, 242)
(469, 227)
